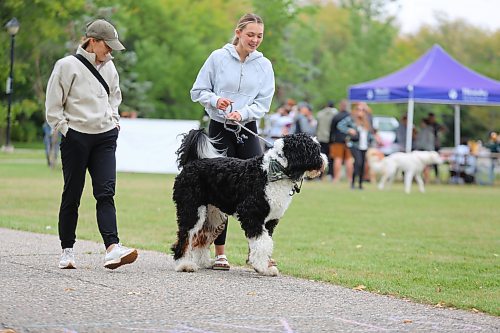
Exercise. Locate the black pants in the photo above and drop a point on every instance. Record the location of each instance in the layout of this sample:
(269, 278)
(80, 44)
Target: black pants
(435, 166)
(359, 165)
(95, 152)
(250, 147)
(325, 149)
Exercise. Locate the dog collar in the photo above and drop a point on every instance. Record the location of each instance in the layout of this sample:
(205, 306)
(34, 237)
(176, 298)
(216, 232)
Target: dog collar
(276, 171)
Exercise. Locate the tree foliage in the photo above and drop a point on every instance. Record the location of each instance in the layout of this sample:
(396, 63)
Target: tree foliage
(318, 48)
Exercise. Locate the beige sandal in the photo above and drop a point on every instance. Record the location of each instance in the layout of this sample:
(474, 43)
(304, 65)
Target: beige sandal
(221, 263)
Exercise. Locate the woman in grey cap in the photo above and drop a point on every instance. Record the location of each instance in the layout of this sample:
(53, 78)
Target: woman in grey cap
(82, 99)
(236, 83)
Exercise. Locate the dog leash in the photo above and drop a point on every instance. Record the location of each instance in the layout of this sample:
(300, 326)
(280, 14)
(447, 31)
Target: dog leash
(236, 131)
(296, 187)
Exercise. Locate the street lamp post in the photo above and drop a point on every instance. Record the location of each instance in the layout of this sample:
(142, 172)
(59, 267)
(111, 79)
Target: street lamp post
(12, 28)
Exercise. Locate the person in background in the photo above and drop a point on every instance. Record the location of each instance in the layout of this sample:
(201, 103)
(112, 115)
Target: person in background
(86, 114)
(51, 141)
(304, 120)
(236, 83)
(437, 130)
(425, 141)
(339, 151)
(493, 144)
(324, 118)
(359, 135)
(277, 124)
(401, 134)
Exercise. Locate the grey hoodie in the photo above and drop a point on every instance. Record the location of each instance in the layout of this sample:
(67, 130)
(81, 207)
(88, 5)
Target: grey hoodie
(249, 84)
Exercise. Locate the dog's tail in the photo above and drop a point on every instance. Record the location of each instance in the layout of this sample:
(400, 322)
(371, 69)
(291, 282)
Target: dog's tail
(196, 144)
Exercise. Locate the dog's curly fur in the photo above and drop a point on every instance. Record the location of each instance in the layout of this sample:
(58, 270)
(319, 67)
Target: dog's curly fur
(210, 187)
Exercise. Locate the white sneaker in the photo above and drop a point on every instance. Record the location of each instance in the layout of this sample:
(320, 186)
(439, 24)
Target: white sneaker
(67, 259)
(119, 255)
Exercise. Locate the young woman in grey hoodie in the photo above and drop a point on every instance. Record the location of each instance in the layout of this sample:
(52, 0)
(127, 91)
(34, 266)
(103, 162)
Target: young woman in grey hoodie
(236, 83)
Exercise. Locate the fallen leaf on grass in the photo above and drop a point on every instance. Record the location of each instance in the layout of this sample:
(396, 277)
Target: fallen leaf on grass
(359, 246)
(440, 304)
(475, 310)
(359, 288)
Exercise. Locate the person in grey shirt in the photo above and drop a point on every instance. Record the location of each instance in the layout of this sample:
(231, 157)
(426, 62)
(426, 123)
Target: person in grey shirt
(324, 118)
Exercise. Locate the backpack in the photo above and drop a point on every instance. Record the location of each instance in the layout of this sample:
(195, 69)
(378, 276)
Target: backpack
(337, 136)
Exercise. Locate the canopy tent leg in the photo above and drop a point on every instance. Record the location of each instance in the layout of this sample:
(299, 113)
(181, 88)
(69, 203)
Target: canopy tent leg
(409, 125)
(457, 125)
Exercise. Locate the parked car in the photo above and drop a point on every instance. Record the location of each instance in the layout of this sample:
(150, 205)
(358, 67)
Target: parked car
(386, 128)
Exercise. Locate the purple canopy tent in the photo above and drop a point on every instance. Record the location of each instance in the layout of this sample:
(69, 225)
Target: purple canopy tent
(434, 78)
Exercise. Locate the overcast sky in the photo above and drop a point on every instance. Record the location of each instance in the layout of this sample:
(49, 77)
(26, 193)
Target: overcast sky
(482, 13)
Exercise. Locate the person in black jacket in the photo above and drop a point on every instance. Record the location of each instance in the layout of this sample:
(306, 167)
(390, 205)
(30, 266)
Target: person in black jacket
(338, 148)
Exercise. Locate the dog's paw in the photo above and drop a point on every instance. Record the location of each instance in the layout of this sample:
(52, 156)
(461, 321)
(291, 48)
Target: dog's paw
(268, 271)
(185, 266)
(271, 271)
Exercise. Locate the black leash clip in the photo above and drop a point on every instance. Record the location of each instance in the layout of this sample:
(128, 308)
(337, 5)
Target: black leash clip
(237, 130)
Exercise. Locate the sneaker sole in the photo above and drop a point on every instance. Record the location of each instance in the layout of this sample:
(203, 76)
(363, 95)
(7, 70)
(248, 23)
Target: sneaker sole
(128, 259)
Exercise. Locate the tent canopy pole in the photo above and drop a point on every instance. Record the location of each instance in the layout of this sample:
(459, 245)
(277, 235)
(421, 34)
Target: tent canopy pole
(457, 125)
(409, 125)
(409, 122)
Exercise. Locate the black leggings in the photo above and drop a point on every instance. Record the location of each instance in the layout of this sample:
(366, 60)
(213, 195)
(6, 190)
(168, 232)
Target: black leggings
(359, 165)
(228, 140)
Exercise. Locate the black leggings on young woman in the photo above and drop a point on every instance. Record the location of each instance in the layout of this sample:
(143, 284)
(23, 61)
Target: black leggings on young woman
(227, 140)
(359, 165)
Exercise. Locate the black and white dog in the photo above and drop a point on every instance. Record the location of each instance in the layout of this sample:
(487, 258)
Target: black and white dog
(257, 192)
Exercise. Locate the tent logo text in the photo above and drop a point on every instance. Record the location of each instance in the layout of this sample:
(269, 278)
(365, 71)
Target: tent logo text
(474, 94)
(378, 93)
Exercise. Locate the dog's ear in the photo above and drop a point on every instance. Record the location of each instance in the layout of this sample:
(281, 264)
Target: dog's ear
(302, 154)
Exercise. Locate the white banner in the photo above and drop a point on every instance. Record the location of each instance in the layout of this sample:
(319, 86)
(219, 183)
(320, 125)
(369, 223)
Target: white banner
(149, 145)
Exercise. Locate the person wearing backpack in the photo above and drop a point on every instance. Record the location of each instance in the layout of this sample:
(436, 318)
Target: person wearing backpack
(324, 118)
(82, 99)
(339, 151)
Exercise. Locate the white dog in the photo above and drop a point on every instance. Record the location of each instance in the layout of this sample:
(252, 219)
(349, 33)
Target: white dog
(412, 164)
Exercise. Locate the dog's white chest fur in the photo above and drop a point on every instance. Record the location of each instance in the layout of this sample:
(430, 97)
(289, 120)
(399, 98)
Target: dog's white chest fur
(279, 198)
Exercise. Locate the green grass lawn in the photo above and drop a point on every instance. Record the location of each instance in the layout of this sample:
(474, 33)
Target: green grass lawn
(441, 247)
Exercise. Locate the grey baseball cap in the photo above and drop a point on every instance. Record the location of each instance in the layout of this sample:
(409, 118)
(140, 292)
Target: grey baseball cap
(102, 29)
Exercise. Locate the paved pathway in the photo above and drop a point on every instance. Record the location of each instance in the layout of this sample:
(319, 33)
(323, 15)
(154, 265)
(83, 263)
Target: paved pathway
(149, 296)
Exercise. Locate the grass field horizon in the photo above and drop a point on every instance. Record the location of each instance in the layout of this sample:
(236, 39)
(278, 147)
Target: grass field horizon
(439, 248)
